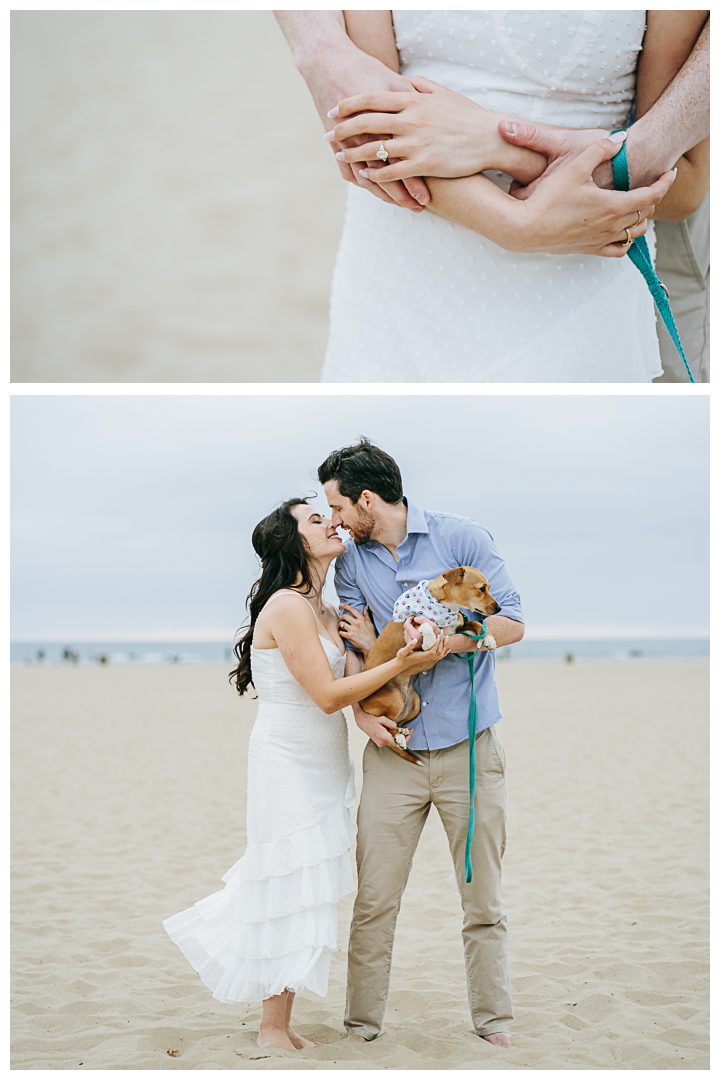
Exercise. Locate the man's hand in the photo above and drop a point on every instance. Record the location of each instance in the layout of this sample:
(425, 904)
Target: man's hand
(333, 69)
(505, 631)
(378, 728)
(559, 146)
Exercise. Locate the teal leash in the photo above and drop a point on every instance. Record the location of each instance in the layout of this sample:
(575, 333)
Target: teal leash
(472, 728)
(640, 255)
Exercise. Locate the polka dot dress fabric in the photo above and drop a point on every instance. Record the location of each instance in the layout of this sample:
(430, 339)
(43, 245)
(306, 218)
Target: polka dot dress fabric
(274, 925)
(418, 299)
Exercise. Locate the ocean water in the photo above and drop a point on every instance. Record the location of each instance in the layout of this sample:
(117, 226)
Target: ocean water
(175, 652)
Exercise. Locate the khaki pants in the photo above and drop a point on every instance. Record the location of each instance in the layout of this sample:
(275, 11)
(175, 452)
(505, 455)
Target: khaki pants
(683, 263)
(395, 803)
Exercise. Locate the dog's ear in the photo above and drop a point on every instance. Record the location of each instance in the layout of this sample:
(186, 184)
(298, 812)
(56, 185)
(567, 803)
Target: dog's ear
(448, 577)
(440, 582)
(454, 577)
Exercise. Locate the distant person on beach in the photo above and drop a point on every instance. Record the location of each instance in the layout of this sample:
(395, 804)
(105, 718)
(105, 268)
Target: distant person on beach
(269, 933)
(393, 545)
(475, 285)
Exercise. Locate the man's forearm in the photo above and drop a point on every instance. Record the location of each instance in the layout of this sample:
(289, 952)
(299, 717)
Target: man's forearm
(505, 631)
(678, 121)
(310, 34)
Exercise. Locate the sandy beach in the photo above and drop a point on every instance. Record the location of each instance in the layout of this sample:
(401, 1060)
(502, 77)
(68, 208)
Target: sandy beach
(129, 804)
(173, 200)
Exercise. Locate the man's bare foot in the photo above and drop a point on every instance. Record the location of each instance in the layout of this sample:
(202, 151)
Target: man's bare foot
(271, 1036)
(298, 1042)
(499, 1038)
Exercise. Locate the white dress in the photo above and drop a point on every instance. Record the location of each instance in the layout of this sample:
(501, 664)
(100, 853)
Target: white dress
(274, 924)
(418, 299)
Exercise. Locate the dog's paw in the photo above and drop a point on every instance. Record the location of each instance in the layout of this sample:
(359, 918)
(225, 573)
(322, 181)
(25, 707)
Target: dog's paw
(401, 736)
(489, 642)
(428, 636)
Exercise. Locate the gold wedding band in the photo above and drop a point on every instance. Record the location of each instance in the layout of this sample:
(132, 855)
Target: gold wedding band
(638, 220)
(630, 239)
(382, 152)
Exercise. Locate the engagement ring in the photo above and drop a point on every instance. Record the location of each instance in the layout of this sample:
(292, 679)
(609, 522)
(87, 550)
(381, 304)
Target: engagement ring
(630, 239)
(382, 152)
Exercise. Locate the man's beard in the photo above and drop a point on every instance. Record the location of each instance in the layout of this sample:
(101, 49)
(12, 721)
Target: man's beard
(363, 529)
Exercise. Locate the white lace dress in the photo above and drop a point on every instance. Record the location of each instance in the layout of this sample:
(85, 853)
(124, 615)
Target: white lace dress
(274, 924)
(419, 299)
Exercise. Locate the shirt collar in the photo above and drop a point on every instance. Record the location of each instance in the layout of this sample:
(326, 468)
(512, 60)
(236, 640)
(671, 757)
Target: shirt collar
(416, 522)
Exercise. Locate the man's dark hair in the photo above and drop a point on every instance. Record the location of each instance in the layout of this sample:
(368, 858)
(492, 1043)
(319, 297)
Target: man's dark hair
(363, 467)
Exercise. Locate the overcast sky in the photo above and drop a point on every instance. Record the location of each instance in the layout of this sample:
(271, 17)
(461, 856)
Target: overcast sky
(132, 515)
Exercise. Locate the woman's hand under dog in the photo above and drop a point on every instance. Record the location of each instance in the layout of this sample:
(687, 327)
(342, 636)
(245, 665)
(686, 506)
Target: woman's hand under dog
(410, 654)
(412, 631)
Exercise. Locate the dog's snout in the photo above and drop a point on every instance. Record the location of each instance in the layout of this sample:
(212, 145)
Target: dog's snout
(497, 608)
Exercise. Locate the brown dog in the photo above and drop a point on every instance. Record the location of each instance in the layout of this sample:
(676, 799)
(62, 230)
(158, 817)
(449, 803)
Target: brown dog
(397, 700)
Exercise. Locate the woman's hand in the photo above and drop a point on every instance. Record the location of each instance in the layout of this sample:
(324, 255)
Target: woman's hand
(409, 655)
(413, 634)
(567, 214)
(435, 132)
(357, 629)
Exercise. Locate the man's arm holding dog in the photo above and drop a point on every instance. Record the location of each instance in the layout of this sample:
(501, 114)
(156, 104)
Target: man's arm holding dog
(504, 630)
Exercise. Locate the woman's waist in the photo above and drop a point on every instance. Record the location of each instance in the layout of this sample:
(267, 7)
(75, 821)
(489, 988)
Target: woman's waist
(273, 700)
(562, 108)
(288, 711)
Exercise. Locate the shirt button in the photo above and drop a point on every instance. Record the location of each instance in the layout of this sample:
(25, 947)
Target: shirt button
(405, 584)
(424, 702)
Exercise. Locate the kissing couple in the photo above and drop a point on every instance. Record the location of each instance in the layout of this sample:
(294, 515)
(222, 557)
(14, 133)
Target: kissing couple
(269, 933)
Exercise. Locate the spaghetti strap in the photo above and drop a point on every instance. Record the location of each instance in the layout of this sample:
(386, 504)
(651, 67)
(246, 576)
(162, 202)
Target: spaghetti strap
(291, 592)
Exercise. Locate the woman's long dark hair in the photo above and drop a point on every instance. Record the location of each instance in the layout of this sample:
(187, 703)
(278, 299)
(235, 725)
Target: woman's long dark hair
(286, 564)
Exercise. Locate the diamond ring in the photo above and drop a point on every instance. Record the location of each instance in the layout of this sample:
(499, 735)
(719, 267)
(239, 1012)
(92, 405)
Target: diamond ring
(382, 152)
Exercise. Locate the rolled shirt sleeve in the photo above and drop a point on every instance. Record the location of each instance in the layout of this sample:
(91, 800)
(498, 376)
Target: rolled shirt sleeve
(474, 546)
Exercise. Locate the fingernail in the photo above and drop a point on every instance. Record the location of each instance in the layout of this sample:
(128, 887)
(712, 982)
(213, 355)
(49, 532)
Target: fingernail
(510, 128)
(422, 199)
(329, 136)
(618, 136)
(340, 155)
(363, 173)
(334, 112)
(674, 172)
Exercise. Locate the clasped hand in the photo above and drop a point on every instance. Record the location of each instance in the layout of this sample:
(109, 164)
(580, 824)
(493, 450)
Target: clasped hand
(554, 205)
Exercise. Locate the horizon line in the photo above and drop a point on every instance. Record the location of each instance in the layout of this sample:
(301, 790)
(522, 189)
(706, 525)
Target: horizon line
(215, 635)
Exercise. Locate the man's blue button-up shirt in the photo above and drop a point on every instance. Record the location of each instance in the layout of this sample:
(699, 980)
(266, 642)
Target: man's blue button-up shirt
(368, 574)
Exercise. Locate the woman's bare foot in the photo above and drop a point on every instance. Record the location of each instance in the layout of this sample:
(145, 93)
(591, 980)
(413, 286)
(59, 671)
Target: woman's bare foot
(272, 1036)
(298, 1042)
(499, 1038)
